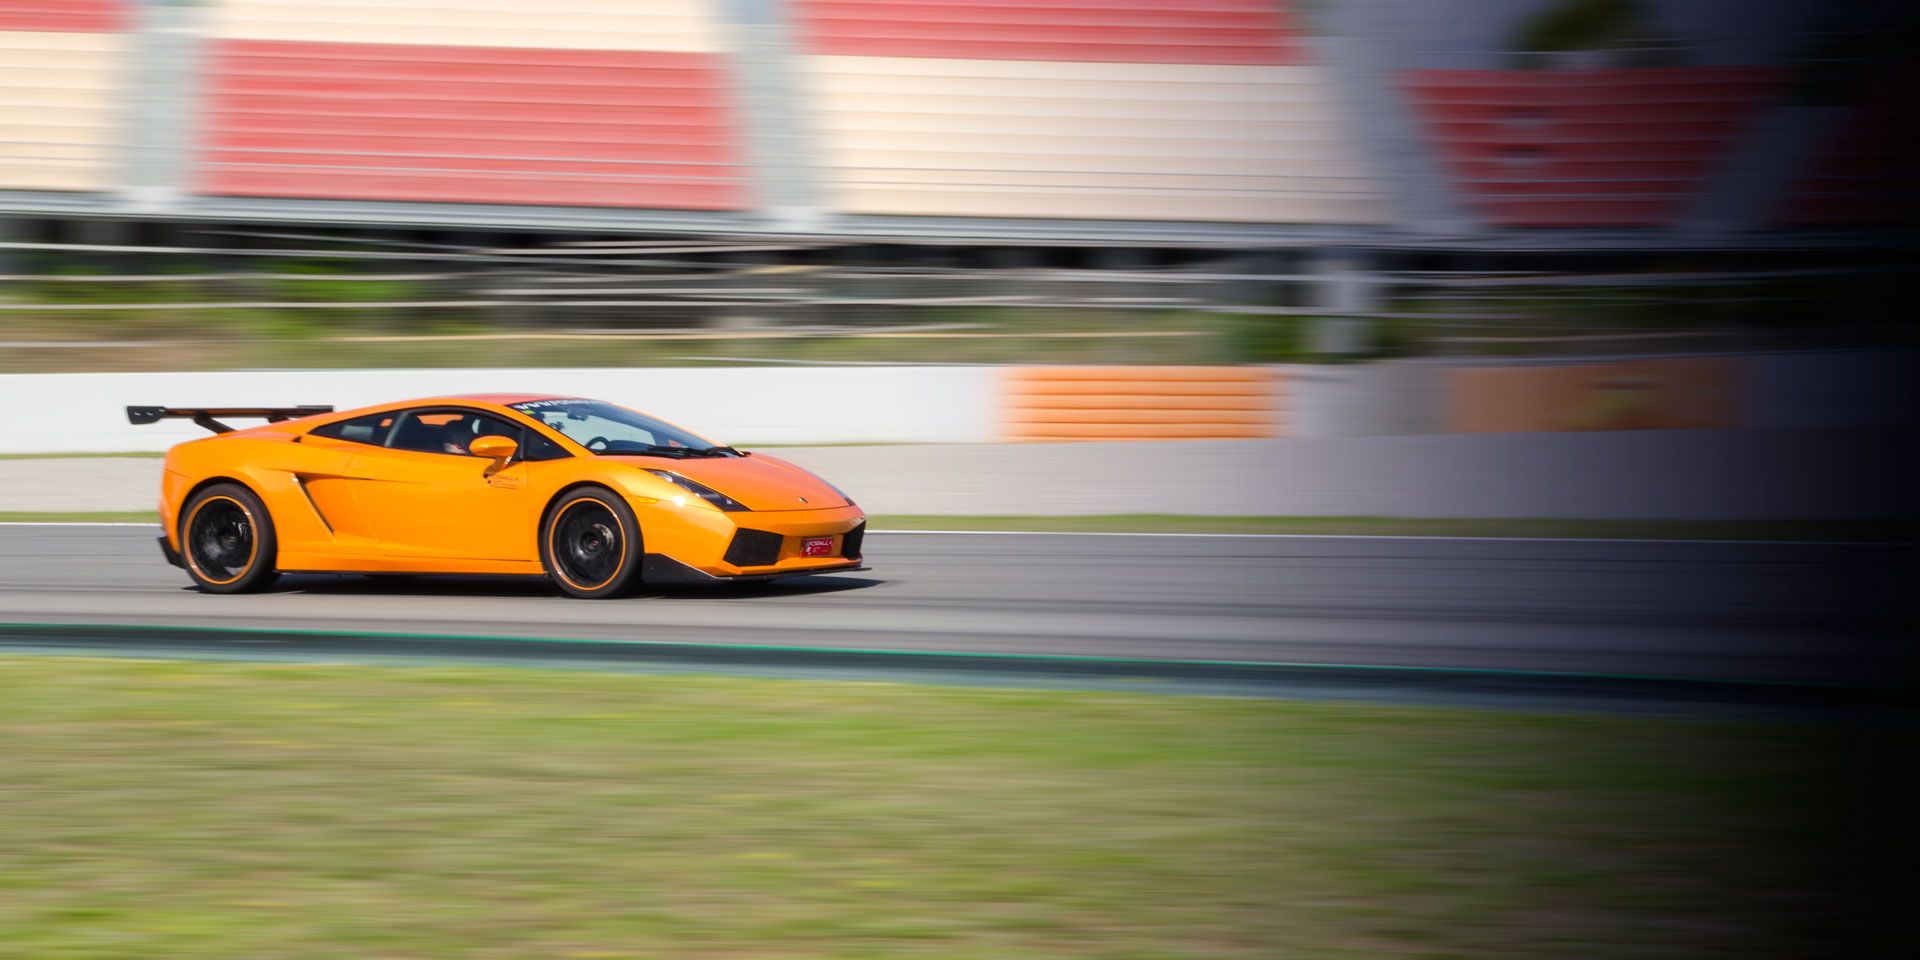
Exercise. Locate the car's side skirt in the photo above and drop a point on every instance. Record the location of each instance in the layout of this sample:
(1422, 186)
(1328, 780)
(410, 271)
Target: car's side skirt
(657, 567)
(341, 563)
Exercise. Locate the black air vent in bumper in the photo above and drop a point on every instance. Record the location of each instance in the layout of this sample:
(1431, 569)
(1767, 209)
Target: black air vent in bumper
(850, 544)
(753, 548)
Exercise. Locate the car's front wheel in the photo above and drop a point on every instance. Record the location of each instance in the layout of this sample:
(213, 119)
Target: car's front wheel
(227, 541)
(590, 544)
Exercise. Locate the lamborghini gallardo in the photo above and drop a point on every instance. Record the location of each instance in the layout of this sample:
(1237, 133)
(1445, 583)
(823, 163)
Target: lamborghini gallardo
(597, 497)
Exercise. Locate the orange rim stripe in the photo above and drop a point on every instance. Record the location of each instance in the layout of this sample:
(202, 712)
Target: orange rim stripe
(553, 549)
(253, 546)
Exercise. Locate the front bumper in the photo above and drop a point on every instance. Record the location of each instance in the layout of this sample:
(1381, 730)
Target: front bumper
(172, 555)
(660, 568)
(746, 545)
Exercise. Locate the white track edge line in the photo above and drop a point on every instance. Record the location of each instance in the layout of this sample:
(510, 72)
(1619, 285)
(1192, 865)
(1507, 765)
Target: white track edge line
(1216, 536)
(1370, 536)
(75, 523)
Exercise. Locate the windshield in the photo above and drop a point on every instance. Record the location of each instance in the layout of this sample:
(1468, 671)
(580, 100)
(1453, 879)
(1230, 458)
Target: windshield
(607, 429)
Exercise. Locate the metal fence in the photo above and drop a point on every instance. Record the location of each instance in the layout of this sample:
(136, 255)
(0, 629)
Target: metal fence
(95, 297)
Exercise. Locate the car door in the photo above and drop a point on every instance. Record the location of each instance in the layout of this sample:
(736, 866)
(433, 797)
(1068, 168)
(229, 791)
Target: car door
(426, 497)
(328, 483)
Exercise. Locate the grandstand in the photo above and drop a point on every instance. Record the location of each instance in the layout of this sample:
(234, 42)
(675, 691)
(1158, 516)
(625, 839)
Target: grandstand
(580, 103)
(1210, 110)
(1231, 123)
(60, 88)
(1586, 147)
(1864, 172)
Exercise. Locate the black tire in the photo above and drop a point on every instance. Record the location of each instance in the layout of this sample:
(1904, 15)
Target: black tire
(227, 540)
(590, 544)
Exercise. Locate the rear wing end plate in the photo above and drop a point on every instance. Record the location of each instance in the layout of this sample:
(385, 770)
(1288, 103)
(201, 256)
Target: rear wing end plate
(205, 416)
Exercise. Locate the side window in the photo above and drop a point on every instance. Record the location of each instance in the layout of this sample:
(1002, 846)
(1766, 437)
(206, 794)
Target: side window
(372, 429)
(448, 431)
(538, 447)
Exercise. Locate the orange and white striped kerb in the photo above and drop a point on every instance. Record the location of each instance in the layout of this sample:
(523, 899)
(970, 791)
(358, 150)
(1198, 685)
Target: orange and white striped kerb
(1142, 403)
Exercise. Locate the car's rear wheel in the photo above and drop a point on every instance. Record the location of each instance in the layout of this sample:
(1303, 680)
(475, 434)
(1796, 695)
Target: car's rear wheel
(227, 540)
(591, 544)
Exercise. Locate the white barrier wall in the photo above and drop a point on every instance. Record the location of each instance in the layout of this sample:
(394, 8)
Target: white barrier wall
(86, 412)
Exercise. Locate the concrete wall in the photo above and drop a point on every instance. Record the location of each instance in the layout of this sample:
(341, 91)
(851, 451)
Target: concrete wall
(1816, 389)
(85, 412)
(1363, 399)
(1625, 474)
(1762, 390)
(1677, 393)
(76, 413)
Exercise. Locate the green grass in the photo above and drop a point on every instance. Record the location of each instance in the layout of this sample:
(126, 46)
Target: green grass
(1853, 530)
(230, 337)
(79, 516)
(246, 340)
(228, 810)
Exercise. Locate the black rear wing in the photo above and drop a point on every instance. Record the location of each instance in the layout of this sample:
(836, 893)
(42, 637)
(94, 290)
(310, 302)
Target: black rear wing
(204, 416)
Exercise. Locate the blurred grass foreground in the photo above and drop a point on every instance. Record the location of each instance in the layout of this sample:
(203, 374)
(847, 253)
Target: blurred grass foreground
(228, 810)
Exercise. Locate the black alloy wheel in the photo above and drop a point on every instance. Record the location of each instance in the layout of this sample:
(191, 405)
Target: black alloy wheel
(591, 544)
(227, 540)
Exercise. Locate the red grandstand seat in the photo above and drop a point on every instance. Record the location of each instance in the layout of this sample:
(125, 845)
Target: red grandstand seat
(1584, 148)
(66, 16)
(1118, 31)
(433, 123)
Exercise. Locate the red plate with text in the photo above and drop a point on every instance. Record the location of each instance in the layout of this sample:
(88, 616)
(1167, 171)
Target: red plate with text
(816, 547)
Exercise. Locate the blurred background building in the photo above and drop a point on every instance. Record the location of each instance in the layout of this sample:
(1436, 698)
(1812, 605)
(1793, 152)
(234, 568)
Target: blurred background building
(1391, 124)
(1115, 181)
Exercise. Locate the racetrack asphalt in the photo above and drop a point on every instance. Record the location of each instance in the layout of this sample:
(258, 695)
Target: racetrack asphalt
(1769, 613)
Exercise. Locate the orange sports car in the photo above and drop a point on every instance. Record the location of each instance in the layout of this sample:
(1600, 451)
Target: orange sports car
(595, 496)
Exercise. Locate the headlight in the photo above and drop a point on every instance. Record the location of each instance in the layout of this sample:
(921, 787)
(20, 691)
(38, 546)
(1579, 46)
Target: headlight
(701, 490)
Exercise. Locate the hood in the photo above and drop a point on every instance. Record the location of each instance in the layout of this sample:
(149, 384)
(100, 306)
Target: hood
(759, 482)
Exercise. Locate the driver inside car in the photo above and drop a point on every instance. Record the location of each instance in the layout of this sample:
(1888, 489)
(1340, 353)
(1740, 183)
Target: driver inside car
(454, 435)
(457, 436)
(458, 433)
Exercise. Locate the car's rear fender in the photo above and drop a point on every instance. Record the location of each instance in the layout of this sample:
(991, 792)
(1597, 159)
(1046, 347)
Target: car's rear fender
(171, 506)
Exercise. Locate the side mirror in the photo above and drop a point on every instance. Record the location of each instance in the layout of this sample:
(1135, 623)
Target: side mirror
(498, 449)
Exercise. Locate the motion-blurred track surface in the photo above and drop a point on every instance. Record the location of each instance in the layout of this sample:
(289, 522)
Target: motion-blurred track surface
(1760, 611)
